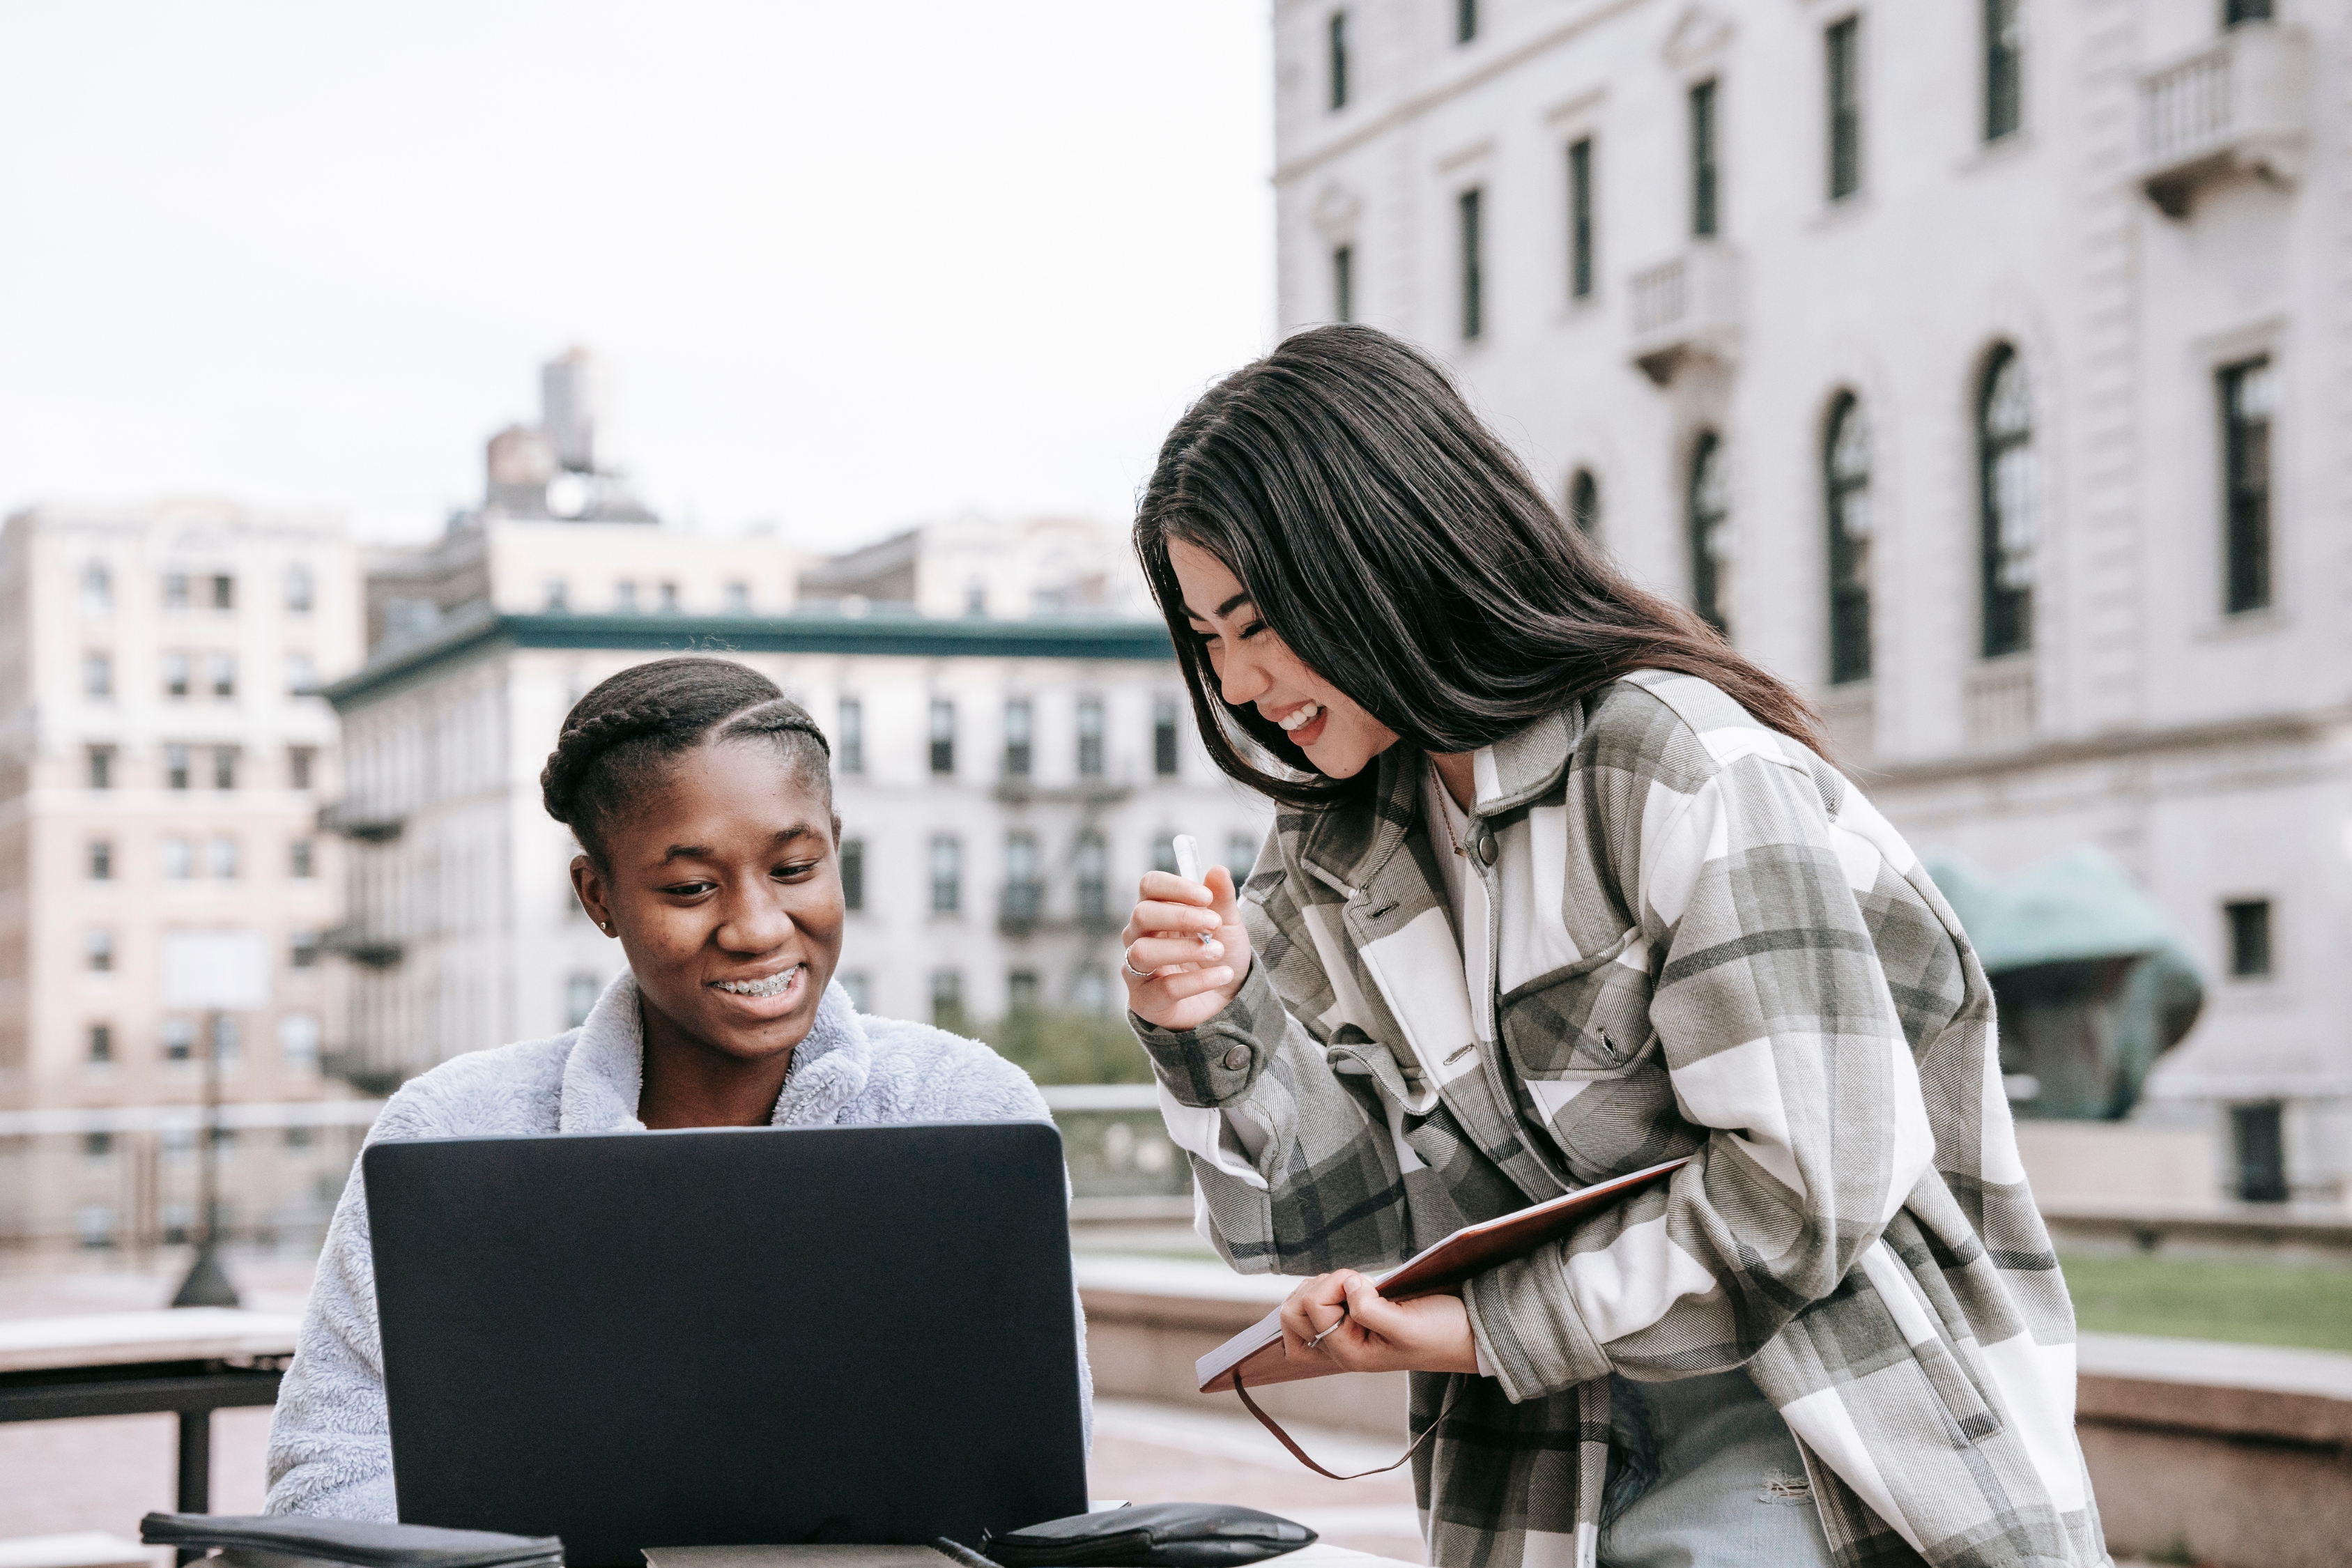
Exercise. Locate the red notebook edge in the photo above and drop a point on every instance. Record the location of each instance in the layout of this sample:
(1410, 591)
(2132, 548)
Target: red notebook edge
(1257, 1350)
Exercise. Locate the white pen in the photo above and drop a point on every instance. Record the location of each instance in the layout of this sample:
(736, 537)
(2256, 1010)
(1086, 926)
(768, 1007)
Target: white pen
(1188, 866)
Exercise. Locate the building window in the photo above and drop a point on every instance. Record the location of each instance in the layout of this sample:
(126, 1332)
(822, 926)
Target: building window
(2246, 478)
(2004, 68)
(179, 1046)
(98, 952)
(2250, 938)
(1343, 283)
(1090, 737)
(1021, 991)
(1580, 219)
(301, 948)
(301, 675)
(943, 735)
(947, 875)
(1024, 895)
(97, 589)
(1846, 484)
(739, 598)
(177, 857)
(1091, 865)
(175, 766)
(860, 990)
(2258, 1139)
(96, 674)
(665, 598)
(850, 730)
(579, 998)
(221, 859)
(1163, 854)
(101, 1043)
(1018, 730)
(1469, 206)
(298, 1137)
(1710, 533)
(1844, 41)
(2005, 489)
(2236, 11)
(299, 761)
(101, 860)
(298, 1041)
(176, 590)
(224, 592)
(220, 674)
(98, 1145)
(302, 863)
(95, 1224)
(947, 1000)
(852, 874)
(1584, 503)
(1703, 175)
(975, 597)
(1241, 856)
(301, 592)
(558, 596)
(1338, 59)
(101, 766)
(1091, 990)
(624, 597)
(1466, 20)
(224, 767)
(1163, 736)
(175, 675)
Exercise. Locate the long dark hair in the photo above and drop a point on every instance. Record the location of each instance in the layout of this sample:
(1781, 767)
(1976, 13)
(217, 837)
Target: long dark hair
(1401, 551)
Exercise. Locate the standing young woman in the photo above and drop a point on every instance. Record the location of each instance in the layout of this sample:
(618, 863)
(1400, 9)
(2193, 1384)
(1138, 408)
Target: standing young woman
(1561, 888)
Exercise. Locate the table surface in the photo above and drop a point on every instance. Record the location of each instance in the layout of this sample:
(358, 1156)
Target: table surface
(126, 1339)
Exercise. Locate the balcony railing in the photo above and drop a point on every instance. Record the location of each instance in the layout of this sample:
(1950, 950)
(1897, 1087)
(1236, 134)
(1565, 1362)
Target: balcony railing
(2236, 105)
(1686, 306)
(351, 820)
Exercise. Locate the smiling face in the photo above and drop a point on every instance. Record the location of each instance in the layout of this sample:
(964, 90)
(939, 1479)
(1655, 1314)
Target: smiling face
(1253, 668)
(725, 890)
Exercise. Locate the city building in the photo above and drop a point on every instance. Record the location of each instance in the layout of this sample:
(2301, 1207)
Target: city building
(1002, 786)
(163, 754)
(1977, 366)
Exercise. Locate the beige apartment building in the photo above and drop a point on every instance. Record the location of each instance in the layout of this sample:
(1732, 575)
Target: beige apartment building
(164, 756)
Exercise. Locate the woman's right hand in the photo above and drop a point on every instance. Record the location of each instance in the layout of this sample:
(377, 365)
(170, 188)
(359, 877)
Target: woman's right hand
(1188, 983)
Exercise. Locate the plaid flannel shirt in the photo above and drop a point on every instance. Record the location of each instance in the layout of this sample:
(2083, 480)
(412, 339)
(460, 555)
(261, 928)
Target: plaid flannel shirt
(1697, 939)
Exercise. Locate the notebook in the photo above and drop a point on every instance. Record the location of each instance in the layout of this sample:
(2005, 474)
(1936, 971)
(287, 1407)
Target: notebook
(1257, 1350)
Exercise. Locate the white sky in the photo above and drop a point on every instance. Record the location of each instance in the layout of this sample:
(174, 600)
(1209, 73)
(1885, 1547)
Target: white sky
(850, 266)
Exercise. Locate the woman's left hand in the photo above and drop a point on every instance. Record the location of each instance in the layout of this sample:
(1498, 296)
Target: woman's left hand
(1428, 1333)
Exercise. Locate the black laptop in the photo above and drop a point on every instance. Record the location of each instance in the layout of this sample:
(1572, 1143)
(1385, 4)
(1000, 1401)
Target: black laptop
(729, 1337)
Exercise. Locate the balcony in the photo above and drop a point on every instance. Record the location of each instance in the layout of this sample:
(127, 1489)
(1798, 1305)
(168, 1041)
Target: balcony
(369, 951)
(1684, 308)
(351, 820)
(2237, 105)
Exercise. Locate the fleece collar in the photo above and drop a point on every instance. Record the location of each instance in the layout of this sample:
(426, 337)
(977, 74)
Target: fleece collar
(606, 1072)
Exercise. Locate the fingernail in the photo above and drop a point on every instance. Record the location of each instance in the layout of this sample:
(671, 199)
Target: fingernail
(1213, 949)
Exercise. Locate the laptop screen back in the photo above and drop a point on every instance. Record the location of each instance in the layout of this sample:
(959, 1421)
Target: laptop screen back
(754, 1336)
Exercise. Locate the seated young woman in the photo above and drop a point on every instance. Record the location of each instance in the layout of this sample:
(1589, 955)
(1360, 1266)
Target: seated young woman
(702, 800)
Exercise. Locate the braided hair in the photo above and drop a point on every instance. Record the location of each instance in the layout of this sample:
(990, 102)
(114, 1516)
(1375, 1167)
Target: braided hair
(617, 739)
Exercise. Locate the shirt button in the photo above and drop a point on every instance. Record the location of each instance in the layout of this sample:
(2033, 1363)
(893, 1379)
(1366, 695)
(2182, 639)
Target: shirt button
(1487, 850)
(1236, 1058)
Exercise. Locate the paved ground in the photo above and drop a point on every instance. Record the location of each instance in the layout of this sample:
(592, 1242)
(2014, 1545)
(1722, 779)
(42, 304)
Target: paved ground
(62, 1476)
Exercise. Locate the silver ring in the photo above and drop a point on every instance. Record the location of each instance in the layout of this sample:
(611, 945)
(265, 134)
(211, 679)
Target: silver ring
(1126, 961)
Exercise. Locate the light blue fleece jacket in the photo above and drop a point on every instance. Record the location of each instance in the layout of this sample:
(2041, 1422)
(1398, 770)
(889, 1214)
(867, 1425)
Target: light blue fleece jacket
(330, 1446)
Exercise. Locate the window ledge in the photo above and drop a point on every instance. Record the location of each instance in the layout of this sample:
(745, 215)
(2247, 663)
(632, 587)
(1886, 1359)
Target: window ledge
(1576, 313)
(2018, 143)
(2243, 625)
(1844, 210)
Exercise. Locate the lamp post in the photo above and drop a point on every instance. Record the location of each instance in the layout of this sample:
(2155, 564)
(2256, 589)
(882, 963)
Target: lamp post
(218, 972)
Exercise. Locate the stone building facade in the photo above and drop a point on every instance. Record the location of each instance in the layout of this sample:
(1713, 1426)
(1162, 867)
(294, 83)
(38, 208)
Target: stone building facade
(1981, 367)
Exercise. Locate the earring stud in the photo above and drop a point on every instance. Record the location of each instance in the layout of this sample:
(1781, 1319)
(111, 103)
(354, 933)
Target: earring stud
(608, 928)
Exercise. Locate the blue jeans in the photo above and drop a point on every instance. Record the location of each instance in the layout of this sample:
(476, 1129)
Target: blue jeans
(1702, 1472)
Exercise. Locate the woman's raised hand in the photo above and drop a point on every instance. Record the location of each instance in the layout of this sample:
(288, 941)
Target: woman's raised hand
(1173, 979)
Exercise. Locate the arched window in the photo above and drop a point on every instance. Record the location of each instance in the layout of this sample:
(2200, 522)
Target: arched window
(1710, 532)
(1846, 485)
(1584, 503)
(2005, 486)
